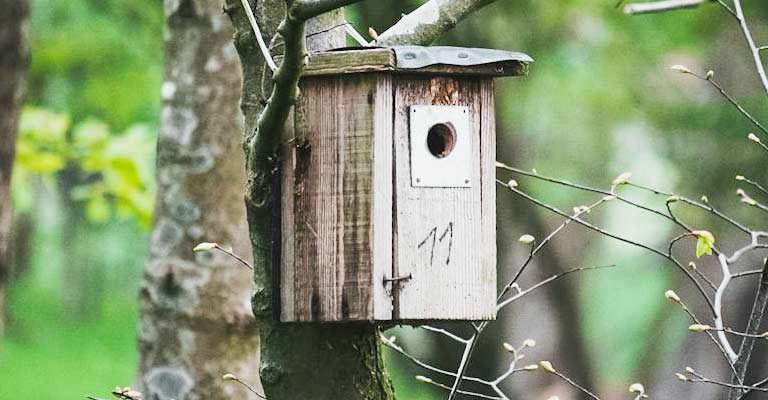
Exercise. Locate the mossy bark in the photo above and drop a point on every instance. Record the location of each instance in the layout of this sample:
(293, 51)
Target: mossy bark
(299, 361)
(196, 322)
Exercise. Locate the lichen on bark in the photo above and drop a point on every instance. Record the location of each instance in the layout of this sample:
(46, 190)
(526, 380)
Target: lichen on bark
(196, 323)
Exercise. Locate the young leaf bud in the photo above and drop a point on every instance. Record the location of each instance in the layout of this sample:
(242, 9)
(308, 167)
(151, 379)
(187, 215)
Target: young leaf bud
(680, 68)
(229, 377)
(710, 75)
(526, 239)
(373, 34)
(529, 343)
(681, 377)
(547, 366)
(532, 367)
(699, 328)
(672, 296)
(621, 179)
(508, 347)
(422, 378)
(636, 388)
(689, 370)
(205, 246)
(753, 138)
(512, 183)
(739, 177)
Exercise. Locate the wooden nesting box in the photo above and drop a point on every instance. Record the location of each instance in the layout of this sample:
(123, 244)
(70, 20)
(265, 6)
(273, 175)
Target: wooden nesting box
(388, 187)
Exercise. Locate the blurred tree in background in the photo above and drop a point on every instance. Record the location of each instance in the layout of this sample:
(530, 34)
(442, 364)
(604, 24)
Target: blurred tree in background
(13, 68)
(599, 100)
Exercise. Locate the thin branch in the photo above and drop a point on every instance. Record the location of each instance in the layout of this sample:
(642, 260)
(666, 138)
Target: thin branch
(719, 307)
(231, 377)
(389, 343)
(446, 333)
(661, 6)
(570, 381)
(753, 183)
(547, 281)
(701, 379)
(732, 100)
(751, 43)
(469, 348)
(235, 256)
(669, 5)
(464, 392)
(543, 243)
(753, 326)
(356, 35)
(586, 188)
(711, 337)
(259, 38)
(619, 238)
(747, 273)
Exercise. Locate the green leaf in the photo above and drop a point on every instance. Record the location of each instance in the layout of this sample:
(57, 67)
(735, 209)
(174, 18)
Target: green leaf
(704, 243)
(97, 209)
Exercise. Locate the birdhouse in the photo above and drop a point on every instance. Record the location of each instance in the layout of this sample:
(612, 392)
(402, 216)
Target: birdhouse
(388, 186)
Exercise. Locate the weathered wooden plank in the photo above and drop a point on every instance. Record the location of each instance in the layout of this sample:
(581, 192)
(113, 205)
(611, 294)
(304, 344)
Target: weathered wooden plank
(350, 61)
(333, 200)
(383, 59)
(381, 228)
(488, 253)
(439, 234)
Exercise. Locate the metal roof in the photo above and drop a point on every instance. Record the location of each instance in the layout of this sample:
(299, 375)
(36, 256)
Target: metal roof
(414, 57)
(443, 60)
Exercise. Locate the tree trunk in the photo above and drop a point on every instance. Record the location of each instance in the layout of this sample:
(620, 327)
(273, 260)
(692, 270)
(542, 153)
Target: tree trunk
(299, 360)
(13, 66)
(196, 323)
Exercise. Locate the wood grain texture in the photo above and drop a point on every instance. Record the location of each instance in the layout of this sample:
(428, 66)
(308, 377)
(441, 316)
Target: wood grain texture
(333, 202)
(383, 59)
(381, 228)
(488, 184)
(440, 234)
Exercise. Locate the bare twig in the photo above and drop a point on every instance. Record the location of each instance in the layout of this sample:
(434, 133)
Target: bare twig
(710, 335)
(669, 5)
(547, 366)
(719, 307)
(687, 273)
(661, 6)
(753, 325)
(231, 377)
(751, 43)
(731, 100)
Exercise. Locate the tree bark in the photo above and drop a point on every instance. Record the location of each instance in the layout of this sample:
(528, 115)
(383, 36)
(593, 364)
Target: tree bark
(196, 323)
(299, 361)
(13, 66)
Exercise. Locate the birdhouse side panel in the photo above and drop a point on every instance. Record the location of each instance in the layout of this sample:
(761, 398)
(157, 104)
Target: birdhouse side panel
(488, 190)
(329, 269)
(444, 237)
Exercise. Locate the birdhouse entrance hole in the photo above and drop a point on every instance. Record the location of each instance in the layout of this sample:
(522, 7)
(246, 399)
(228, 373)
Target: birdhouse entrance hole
(441, 139)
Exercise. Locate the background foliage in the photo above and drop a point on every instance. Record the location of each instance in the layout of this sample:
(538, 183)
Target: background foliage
(600, 100)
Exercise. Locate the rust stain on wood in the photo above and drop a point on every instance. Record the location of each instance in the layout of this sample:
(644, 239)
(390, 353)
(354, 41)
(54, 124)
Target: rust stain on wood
(444, 91)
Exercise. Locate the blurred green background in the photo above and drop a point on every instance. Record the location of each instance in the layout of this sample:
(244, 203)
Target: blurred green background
(599, 100)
